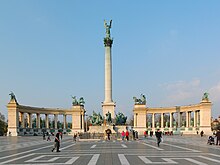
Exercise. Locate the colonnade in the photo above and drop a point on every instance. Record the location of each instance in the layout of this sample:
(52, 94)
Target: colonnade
(18, 113)
(29, 122)
(188, 119)
(171, 122)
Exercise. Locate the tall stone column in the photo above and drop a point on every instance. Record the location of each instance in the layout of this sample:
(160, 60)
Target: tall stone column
(108, 104)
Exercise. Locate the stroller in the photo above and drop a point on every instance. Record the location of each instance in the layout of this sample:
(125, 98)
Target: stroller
(211, 140)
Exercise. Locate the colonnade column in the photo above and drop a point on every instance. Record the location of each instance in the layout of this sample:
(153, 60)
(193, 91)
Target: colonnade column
(38, 121)
(197, 122)
(47, 121)
(22, 119)
(162, 125)
(135, 120)
(187, 119)
(30, 120)
(55, 121)
(153, 122)
(64, 121)
(195, 119)
(82, 120)
(178, 117)
(171, 120)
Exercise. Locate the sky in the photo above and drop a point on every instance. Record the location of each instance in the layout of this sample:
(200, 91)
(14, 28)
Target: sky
(168, 50)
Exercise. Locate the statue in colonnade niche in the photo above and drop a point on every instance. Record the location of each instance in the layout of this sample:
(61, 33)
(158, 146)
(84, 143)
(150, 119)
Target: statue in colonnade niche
(184, 124)
(149, 124)
(191, 123)
(166, 124)
(120, 119)
(157, 125)
(174, 124)
(141, 101)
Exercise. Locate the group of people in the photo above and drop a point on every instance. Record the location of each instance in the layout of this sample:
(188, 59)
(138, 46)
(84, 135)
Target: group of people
(211, 139)
(125, 135)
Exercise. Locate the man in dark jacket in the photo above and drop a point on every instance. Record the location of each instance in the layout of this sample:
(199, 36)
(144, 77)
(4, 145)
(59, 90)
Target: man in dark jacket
(57, 142)
(158, 134)
(218, 137)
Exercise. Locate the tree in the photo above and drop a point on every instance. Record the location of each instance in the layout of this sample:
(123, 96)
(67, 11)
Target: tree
(3, 125)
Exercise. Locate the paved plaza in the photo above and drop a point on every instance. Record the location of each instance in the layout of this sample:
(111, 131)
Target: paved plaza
(188, 149)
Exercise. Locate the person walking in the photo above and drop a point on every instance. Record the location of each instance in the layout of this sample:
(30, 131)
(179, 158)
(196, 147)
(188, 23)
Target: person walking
(202, 133)
(57, 143)
(158, 134)
(74, 137)
(44, 136)
(127, 135)
(218, 137)
(123, 135)
(48, 137)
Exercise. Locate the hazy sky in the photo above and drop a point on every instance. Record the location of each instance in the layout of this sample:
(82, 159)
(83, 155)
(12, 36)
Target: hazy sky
(167, 50)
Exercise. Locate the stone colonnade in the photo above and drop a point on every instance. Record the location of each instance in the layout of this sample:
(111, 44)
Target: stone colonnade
(186, 119)
(16, 114)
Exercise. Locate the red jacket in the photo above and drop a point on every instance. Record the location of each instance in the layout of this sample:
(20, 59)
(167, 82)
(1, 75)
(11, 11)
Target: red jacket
(127, 133)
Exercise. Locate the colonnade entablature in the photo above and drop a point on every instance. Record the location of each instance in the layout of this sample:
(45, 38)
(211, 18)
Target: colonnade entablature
(185, 119)
(26, 119)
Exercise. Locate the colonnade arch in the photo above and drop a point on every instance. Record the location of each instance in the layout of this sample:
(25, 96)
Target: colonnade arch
(28, 119)
(187, 119)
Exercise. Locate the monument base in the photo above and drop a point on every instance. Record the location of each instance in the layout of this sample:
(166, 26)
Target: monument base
(109, 107)
(102, 129)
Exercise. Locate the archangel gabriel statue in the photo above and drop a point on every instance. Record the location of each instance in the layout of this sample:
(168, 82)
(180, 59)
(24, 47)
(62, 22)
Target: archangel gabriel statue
(107, 27)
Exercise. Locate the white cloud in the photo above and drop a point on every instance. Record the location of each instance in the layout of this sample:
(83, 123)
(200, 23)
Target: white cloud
(181, 91)
(215, 93)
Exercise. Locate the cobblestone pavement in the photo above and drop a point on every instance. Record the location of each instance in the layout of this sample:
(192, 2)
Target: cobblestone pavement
(173, 150)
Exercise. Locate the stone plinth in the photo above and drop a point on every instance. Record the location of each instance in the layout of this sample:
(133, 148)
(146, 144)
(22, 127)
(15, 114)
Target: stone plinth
(78, 118)
(13, 121)
(101, 129)
(108, 107)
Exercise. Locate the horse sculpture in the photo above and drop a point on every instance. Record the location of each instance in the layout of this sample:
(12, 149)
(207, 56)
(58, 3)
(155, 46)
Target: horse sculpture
(80, 102)
(120, 119)
(141, 101)
(96, 119)
(205, 96)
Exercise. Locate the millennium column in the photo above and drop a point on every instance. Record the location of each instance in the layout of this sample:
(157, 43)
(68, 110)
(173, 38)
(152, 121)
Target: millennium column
(108, 105)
